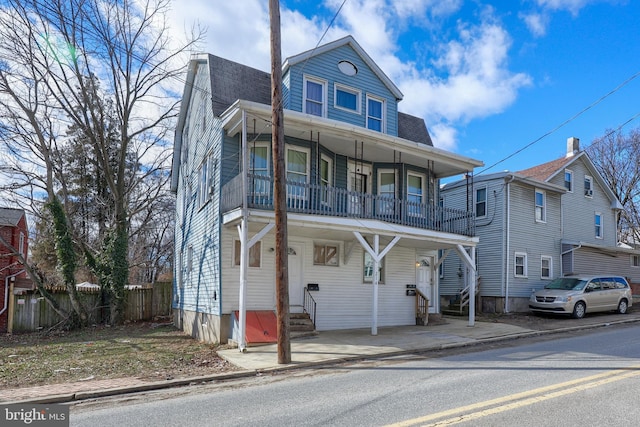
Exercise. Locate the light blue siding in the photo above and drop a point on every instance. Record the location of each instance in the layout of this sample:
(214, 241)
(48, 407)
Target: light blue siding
(325, 67)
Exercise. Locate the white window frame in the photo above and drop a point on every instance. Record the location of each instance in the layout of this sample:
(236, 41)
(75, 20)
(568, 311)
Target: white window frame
(382, 119)
(476, 202)
(522, 255)
(21, 245)
(588, 192)
(189, 258)
(570, 181)
(261, 187)
(340, 87)
(599, 228)
(368, 278)
(387, 207)
(417, 211)
(323, 103)
(542, 208)
(635, 260)
(544, 258)
(203, 183)
(327, 183)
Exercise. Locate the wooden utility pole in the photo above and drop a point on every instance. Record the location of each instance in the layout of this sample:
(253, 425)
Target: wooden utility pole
(279, 188)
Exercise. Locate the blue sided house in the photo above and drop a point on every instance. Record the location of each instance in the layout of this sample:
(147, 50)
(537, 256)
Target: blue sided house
(365, 226)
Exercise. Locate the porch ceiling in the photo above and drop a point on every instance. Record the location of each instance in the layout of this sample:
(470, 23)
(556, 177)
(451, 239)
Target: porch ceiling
(341, 138)
(324, 228)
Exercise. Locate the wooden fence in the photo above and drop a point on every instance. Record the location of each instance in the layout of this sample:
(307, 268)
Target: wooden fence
(33, 313)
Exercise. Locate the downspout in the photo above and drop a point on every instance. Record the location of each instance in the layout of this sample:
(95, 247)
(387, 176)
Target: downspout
(508, 246)
(7, 280)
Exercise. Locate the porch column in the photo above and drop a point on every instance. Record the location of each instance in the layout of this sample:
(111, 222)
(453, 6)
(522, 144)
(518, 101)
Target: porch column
(470, 262)
(244, 250)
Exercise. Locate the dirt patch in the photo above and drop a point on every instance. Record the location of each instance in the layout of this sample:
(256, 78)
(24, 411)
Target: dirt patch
(153, 351)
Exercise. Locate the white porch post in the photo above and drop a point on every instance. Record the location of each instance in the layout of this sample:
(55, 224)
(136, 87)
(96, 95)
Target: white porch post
(244, 250)
(470, 262)
(377, 257)
(374, 308)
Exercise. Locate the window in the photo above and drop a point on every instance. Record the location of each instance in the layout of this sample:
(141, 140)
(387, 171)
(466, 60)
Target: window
(635, 261)
(588, 186)
(189, 258)
(21, 249)
(325, 254)
(598, 224)
(347, 98)
(297, 174)
(368, 269)
(326, 179)
(254, 254)
(203, 183)
(387, 192)
(481, 202)
(540, 206)
(375, 114)
(259, 166)
(314, 97)
(568, 180)
(546, 267)
(441, 265)
(415, 194)
(520, 264)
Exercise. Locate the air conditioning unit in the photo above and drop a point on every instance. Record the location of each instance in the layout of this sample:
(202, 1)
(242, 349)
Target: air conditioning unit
(588, 193)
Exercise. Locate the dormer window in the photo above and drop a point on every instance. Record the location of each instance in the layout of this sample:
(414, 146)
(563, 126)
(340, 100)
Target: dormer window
(315, 95)
(375, 114)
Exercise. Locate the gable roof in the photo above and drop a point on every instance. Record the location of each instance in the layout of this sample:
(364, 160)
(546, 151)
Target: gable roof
(547, 171)
(348, 40)
(10, 216)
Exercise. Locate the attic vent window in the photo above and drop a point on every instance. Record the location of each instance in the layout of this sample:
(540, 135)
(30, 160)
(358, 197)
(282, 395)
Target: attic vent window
(347, 68)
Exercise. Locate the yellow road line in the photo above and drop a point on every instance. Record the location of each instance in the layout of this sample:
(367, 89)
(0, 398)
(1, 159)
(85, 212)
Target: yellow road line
(521, 399)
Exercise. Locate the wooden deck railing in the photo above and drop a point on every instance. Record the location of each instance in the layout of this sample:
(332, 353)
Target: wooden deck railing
(422, 308)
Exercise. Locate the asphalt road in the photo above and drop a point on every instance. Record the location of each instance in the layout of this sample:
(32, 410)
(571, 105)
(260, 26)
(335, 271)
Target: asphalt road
(590, 378)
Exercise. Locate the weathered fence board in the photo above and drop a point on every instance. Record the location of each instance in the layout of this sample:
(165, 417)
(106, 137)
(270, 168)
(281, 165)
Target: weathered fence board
(33, 313)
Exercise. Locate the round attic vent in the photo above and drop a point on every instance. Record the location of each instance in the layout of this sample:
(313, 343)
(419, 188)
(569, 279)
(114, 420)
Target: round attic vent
(347, 68)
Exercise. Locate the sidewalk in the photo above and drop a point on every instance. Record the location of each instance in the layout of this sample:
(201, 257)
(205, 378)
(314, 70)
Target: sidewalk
(325, 348)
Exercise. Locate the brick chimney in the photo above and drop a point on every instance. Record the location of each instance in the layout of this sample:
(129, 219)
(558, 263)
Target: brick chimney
(573, 146)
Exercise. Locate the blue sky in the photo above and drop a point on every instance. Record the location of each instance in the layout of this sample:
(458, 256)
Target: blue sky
(489, 78)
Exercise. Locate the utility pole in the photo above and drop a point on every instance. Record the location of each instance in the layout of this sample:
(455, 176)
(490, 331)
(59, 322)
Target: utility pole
(279, 189)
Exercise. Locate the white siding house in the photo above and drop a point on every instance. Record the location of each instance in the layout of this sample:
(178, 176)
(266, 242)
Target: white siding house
(358, 172)
(554, 219)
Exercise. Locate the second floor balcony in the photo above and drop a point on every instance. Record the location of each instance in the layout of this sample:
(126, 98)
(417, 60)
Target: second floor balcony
(326, 200)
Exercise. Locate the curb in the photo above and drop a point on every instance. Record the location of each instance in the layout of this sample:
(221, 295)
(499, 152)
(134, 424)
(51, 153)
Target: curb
(182, 382)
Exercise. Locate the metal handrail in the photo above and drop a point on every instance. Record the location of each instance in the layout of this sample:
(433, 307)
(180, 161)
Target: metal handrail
(326, 200)
(310, 306)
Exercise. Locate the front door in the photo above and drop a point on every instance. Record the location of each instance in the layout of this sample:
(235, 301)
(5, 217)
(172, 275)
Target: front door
(424, 280)
(296, 286)
(358, 184)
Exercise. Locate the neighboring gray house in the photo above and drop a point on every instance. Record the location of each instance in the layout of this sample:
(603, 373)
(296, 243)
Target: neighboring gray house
(537, 224)
(364, 225)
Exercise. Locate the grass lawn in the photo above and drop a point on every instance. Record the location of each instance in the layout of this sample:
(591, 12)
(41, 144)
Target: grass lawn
(143, 350)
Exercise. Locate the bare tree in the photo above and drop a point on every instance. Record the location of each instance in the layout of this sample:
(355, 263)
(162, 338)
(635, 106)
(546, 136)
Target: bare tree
(617, 158)
(86, 65)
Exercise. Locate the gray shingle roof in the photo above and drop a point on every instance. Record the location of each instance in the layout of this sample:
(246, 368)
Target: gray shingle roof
(231, 81)
(10, 216)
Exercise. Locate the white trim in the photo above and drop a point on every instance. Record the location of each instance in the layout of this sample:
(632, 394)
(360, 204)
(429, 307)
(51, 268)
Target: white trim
(588, 192)
(413, 210)
(347, 89)
(523, 255)
(543, 219)
(475, 201)
(571, 180)
(550, 259)
(324, 85)
(383, 127)
(601, 226)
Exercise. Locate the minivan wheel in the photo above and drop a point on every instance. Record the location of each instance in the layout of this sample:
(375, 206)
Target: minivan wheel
(622, 306)
(579, 310)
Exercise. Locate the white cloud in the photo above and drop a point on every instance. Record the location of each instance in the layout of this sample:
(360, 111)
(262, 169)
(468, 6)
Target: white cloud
(467, 79)
(572, 6)
(536, 23)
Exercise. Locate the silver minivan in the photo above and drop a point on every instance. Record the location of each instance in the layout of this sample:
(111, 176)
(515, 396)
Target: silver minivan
(577, 295)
